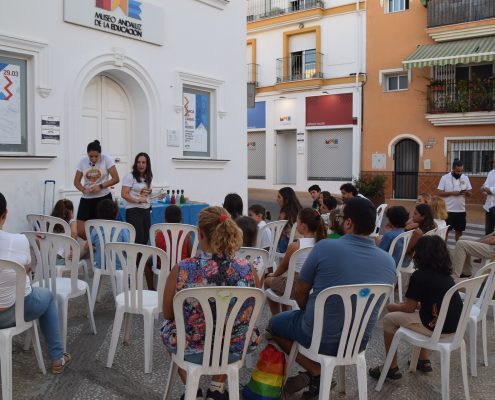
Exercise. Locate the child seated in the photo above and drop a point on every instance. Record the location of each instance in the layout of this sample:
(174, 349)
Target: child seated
(258, 213)
(328, 204)
(397, 217)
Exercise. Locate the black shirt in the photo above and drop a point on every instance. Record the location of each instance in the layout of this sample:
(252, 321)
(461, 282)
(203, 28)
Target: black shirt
(429, 287)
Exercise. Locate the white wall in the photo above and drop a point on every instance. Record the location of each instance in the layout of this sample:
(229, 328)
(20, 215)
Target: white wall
(195, 40)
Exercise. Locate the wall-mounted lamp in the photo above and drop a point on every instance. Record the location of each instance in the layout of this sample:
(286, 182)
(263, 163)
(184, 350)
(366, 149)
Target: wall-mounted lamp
(325, 92)
(301, 25)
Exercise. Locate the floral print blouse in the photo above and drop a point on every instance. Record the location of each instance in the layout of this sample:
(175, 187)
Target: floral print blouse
(211, 270)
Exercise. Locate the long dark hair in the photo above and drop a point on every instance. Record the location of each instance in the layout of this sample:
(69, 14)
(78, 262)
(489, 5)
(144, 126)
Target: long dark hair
(148, 174)
(313, 220)
(291, 205)
(431, 253)
(94, 146)
(425, 211)
(233, 204)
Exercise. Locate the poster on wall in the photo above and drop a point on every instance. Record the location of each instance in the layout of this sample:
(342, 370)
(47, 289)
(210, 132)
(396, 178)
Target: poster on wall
(196, 115)
(10, 104)
(50, 129)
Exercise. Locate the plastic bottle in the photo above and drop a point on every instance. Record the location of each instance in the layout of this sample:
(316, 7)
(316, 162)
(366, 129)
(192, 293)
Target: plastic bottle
(172, 199)
(167, 197)
(182, 198)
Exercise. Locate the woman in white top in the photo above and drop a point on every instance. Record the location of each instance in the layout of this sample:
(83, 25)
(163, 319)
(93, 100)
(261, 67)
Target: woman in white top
(93, 169)
(439, 211)
(136, 191)
(38, 302)
(311, 227)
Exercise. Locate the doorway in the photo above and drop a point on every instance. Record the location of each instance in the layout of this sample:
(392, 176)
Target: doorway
(106, 116)
(406, 166)
(286, 157)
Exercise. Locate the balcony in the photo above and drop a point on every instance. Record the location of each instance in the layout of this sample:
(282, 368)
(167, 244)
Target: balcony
(469, 102)
(449, 12)
(261, 9)
(306, 65)
(252, 73)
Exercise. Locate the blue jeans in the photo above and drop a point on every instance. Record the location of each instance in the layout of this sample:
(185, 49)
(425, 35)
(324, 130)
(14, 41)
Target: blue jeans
(39, 304)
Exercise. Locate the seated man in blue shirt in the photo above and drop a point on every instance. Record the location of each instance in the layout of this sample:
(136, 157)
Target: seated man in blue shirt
(351, 260)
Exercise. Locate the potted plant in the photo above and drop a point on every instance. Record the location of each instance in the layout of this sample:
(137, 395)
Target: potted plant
(437, 85)
(373, 187)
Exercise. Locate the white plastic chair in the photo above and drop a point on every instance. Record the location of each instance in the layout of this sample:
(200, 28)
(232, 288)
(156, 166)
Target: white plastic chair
(133, 299)
(216, 343)
(285, 298)
(443, 232)
(173, 242)
(46, 223)
(46, 246)
(478, 313)
(445, 345)
(360, 303)
(380, 211)
(405, 238)
(107, 231)
(21, 325)
(258, 258)
(292, 236)
(432, 232)
(276, 228)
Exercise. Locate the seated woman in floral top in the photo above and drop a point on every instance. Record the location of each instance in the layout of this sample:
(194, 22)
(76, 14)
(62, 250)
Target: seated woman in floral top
(219, 238)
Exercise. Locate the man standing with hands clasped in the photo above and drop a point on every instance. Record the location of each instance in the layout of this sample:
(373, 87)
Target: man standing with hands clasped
(454, 187)
(489, 189)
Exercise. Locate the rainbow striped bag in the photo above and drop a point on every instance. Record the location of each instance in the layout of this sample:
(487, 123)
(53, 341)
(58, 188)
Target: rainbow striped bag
(267, 378)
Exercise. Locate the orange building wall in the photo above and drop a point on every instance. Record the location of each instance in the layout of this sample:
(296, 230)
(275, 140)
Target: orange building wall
(390, 39)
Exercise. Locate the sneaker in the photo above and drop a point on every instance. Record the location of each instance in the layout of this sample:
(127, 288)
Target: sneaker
(216, 395)
(313, 391)
(199, 395)
(58, 369)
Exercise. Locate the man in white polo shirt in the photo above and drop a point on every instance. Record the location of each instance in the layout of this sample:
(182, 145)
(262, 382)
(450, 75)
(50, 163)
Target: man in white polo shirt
(489, 189)
(454, 187)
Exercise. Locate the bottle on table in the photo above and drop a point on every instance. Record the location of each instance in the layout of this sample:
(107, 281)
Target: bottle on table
(172, 199)
(167, 197)
(182, 198)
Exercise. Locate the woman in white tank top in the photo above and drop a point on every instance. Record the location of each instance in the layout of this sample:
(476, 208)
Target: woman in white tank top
(311, 227)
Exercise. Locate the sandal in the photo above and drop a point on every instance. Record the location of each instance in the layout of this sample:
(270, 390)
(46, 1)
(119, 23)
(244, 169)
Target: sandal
(424, 366)
(58, 369)
(393, 373)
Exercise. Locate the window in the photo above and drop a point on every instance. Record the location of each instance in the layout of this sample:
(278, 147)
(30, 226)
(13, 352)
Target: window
(477, 155)
(13, 105)
(397, 5)
(396, 81)
(303, 64)
(197, 122)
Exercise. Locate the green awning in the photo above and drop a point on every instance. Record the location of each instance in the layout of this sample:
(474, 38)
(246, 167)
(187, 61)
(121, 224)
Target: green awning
(451, 53)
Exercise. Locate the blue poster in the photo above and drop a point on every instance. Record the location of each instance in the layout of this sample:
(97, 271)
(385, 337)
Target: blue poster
(256, 117)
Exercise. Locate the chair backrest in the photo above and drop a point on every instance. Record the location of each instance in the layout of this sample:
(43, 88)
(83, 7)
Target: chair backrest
(404, 237)
(20, 272)
(380, 211)
(256, 257)
(470, 287)
(360, 302)
(46, 247)
(276, 228)
(107, 231)
(175, 236)
(486, 297)
(293, 231)
(46, 223)
(228, 302)
(133, 273)
(297, 256)
(442, 232)
(431, 232)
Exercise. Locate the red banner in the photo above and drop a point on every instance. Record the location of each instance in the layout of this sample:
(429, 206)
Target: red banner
(335, 109)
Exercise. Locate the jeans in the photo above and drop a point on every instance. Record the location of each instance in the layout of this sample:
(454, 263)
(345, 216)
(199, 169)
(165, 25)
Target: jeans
(39, 304)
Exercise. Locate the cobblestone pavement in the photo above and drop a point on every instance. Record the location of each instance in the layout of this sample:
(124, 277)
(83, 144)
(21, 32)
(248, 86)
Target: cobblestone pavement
(89, 378)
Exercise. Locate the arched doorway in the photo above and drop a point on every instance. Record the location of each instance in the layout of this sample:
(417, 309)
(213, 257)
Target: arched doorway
(106, 116)
(406, 166)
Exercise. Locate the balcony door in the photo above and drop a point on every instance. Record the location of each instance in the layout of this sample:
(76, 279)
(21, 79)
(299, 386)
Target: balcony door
(406, 166)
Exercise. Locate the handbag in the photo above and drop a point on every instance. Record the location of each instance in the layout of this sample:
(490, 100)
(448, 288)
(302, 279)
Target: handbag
(267, 378)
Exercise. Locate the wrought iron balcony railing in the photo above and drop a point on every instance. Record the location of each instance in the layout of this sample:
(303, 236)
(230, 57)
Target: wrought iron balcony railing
(306, 65)
(462, 96)
(260, 9)
(448, 12)
(252, 73)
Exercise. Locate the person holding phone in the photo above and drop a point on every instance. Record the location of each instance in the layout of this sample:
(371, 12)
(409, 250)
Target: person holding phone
(454, 187)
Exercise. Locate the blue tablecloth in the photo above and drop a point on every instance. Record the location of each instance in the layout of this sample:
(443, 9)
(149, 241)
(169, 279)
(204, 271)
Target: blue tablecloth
(190, 212)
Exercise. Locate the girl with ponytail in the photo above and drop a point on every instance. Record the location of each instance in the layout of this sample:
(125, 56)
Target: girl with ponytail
(311, 227)
(219, 239)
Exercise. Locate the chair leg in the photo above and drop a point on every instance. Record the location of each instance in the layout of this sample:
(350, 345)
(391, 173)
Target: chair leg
(362, 377)
(37, 347)
(388, 360)
(90, 311)
(290, 360)
(484, 338)
(445, 372)
(399, 285)
(414, 358)
(118, 279)
(192, 386)
(171, 378)
(341, 379)
(326, 380)
(148, 342)
(6, 367)
(464, 369)
(117, 324)
(473, 337)
(28, 338)
(96, 285)
(233, 379)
